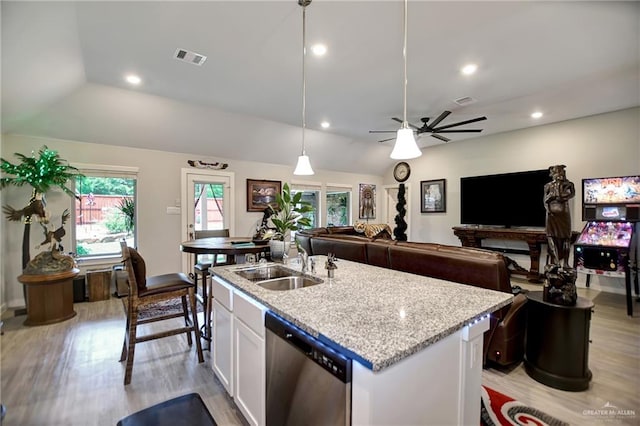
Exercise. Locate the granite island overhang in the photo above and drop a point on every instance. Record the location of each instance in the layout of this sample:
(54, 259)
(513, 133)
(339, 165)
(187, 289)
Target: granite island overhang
(376, 316)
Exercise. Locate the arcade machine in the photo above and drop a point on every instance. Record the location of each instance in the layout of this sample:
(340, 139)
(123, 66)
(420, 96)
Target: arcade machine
(608, 244)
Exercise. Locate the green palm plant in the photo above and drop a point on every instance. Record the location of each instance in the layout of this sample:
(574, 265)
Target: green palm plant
(42, 173)
(289, 214)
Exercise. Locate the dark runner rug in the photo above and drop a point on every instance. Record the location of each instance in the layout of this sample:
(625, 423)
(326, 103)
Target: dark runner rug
(500, 410)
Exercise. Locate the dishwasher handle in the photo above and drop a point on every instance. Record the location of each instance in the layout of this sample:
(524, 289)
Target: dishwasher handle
(298, 343)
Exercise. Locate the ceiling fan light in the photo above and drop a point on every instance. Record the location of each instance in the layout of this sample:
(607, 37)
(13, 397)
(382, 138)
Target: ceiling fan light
(406, 147)
(303, 168)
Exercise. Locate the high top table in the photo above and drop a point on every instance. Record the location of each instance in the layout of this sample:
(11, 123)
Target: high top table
(231, 246)
(234, 247)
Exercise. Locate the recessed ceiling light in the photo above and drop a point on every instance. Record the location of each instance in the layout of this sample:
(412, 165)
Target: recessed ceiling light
(319, 49)
(325, 124)
(536, 114)
(133, 79)
(469, 69)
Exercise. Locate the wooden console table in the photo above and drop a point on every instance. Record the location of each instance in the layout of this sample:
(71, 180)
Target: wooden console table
(472, 237)
(49, 297)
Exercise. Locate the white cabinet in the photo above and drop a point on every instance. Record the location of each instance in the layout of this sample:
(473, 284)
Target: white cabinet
(222, 345)
(239, 349)
(250, 385)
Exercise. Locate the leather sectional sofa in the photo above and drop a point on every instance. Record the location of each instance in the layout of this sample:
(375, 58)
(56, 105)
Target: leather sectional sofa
(503, 342)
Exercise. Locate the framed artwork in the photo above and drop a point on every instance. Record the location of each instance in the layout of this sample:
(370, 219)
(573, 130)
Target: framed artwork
(367, 197)
(262, 193)
(433, 196)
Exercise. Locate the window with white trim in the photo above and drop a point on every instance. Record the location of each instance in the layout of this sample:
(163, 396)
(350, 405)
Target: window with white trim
(105, 210)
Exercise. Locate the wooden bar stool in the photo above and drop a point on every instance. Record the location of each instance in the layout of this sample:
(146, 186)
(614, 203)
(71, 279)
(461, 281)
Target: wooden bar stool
(147, 291)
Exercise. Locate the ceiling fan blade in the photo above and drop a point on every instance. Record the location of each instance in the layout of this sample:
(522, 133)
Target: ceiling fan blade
(438, 119)
(460, 123)
(400, 121)
(442, 138)
(459, 131)
(382, 131)
(386, 140)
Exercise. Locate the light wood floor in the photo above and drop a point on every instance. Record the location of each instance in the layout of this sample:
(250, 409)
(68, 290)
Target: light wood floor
(69, 374)
(614, 360)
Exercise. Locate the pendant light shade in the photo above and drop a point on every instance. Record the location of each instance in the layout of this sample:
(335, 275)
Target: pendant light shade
(303, 168)
(405, 147)
(304, 165)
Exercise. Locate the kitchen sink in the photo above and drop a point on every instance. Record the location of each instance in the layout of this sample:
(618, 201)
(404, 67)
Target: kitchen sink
(289, 283)
(278, 277)
(262, 273)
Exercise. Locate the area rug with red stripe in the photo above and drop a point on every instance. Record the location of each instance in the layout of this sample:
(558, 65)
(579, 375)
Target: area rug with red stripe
(500, 410)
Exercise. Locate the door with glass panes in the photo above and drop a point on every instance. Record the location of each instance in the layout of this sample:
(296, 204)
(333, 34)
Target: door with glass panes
(207, 196)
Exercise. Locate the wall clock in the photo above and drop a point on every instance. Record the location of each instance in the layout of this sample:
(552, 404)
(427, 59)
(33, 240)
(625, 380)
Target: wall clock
(401, 171)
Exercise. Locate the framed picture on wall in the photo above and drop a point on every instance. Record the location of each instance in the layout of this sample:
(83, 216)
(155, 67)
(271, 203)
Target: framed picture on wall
(367, 208)
(433, 196)
(261, 194)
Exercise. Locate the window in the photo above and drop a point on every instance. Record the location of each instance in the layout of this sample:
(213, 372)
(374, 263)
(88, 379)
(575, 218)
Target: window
(105, 211)
(310, 194)
(338, 202)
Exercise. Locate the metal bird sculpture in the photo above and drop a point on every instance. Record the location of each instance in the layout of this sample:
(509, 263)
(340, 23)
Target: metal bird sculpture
(34, 208)
(54, 237)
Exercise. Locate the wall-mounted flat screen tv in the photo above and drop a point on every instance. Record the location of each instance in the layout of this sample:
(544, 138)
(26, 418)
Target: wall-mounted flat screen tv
(508, 199)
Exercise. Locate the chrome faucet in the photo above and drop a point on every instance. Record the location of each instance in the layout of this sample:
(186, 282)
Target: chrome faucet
(304, 257)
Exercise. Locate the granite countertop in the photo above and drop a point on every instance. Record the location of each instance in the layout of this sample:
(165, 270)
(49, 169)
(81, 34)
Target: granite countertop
(376, 315)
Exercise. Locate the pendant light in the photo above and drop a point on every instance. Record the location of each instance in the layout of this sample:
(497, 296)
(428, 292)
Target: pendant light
(406, 146)
(304, 166)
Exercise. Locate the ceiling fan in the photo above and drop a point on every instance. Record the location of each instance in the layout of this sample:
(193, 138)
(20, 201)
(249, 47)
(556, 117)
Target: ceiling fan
(433, 130)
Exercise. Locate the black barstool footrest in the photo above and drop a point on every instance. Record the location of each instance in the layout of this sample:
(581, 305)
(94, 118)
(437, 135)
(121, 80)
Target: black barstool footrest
(202, 267)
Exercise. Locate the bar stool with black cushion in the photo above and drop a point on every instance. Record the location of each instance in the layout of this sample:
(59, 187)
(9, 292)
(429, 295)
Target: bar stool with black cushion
(186, 410)
(145, 292)
(202, 269)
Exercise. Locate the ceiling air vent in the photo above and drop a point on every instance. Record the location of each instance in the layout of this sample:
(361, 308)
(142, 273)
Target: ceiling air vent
(190, 57)
(465, 100)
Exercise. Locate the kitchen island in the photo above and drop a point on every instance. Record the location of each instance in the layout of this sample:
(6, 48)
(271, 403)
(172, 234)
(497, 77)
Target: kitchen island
(415, 342)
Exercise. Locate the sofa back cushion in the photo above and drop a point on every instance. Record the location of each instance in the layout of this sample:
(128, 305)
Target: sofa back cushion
(486, 272)
(378, 252)
(354, 249)
(341, 230)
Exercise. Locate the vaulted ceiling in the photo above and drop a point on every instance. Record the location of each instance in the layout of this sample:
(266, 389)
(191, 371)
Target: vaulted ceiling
(64, 63)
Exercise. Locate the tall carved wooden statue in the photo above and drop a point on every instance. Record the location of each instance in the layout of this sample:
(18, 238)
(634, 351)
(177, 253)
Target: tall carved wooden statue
(560, 278)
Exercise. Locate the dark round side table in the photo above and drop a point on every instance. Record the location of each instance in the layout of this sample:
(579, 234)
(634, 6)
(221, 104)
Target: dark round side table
(557, 343)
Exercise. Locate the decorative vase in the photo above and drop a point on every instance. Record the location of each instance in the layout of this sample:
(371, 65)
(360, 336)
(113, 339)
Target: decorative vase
(278, 249)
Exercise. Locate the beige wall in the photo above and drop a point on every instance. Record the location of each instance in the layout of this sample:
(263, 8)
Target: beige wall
(596, 146)
(159, 234)
(602, 145)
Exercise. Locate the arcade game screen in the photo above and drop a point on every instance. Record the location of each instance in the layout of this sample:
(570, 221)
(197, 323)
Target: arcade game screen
(615, 190)
(611, 234)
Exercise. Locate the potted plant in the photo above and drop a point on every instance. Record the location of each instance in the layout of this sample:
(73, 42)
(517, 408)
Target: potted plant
(287, 216)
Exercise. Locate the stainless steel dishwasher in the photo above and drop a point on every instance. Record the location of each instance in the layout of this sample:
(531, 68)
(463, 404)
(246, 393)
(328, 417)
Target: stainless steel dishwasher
(308, 383)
